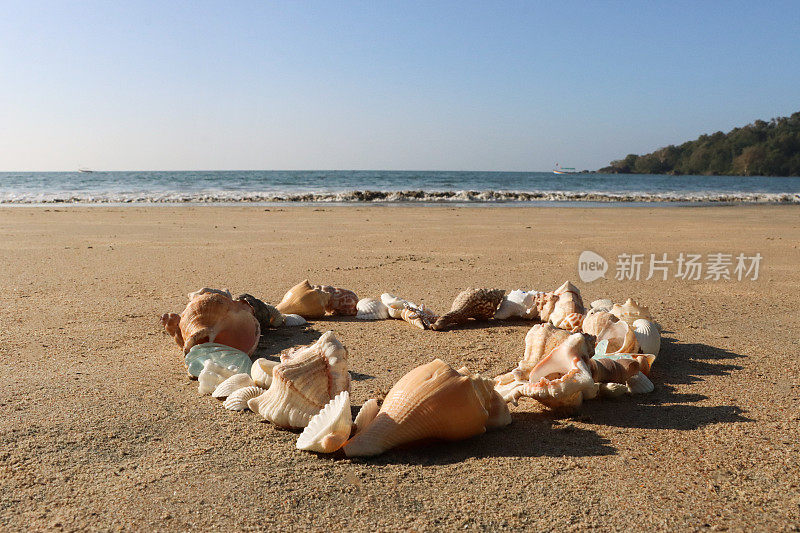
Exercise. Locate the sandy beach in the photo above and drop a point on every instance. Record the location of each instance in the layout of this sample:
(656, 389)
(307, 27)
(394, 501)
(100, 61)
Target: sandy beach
(102, 429)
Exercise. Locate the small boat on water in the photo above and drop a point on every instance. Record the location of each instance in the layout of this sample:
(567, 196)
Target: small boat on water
(86, 170)
(564, 170)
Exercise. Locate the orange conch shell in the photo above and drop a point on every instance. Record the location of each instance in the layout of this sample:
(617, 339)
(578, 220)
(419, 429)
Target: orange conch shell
(621, 338)
(304, 300)
(212, 316)
(432, 401)
(569, 302)
(341, 302)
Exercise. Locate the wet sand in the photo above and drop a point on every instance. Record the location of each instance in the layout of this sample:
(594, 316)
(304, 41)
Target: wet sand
(101, 428)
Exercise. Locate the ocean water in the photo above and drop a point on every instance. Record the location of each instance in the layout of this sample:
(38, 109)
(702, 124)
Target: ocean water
(386, 187)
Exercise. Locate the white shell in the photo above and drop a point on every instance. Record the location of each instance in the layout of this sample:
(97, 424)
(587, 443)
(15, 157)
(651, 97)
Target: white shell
(261, 372)
(371, 309)
(231, 385)
(648, 335)
(640, 384)
(394, 304)
(211, 376)
(329, 429)
(603, 304)
(612, 390)
(366, 414)
(291, 320)
(238, 400)
(516, 303)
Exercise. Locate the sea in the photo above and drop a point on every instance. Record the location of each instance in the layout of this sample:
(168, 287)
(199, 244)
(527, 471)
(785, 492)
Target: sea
(389, 187)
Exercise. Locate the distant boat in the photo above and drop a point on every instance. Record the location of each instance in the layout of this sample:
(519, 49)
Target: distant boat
(564, 170)
(87, 170)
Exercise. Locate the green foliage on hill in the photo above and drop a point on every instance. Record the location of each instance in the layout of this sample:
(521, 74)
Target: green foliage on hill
(759, 149)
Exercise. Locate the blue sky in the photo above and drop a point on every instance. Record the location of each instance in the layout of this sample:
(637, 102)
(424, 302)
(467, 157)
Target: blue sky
(380, 85)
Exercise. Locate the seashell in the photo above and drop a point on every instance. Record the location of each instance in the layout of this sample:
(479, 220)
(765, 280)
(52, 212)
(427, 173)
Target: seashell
(394, 304)
(341, 302)
(603, 304)
(234, 360)
(214, 317)
(480, 304)
(304, 300)
(516, 303)
(237, 401)
(432, 401)
(612, 390)
(572, 322)
(304, 382)
(292, 320)
(329, 429)
(261, 372)
(211, 376)
(630, 311)
(418, 316)
(366, 414)
(544, 304)
(595, 321)
(620, 336)
(613, 370)
(640, 384)
(540, 340)
(232, 384)
(206, 290)
(645, 362)
(371, 309)
(569, 302)
(267, 315)
(648, 336)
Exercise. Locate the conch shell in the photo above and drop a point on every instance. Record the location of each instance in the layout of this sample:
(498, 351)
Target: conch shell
(613, 370)
(432, 401)
(341, 302)
(261, 372)
(569, 302)
(212, 316)
(371, 309)
(267, 316)
(595, 321)
(573, 322)
(630, 311)
(480, 304)
(304, 382)
(544, 305)
(621, 338)
(419, 317)
(304, 300)
(329, 429)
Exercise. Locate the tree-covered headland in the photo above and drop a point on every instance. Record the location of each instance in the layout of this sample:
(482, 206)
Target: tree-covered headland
(758, 149)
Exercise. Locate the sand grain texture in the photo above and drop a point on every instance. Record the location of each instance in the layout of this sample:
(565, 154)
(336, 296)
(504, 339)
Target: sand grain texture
(101, 429)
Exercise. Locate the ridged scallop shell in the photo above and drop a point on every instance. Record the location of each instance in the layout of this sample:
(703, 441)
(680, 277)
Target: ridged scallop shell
(212, 316)
(516, 304)
(479, 304)
(569, 302)
(341, 302)
(261, 372)
(640, 384)
(306, 379)
(630, 311)
(432, 401)
(366, 414)
(237, 401)
(304, 300)
(595, 321)
(371, 309)
(211, 376)
(267, 315)
(232, 384)
(329, 429)
(648, 335)
(603, 304)
(292, 320)
(620, 336)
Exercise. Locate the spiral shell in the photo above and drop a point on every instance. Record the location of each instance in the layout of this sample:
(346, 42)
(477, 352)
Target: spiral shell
(261, 372)
(569, 301)
(304, 300)
(479, 304)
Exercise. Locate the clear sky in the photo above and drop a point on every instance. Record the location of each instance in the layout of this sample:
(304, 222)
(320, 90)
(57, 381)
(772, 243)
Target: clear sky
(378, 85)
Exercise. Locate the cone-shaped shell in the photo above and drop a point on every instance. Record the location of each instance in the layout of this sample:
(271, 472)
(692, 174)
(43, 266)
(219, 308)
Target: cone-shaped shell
(569, 301)
(237, 401)
(480, 304)
(545, 303)
(261, 372)
(341, 302)
(232, 384)
(630, 311)
(648, 336)
(212, 316)
(329, 429)
(432, 401)
(304, 382)
(371, 309)
(304, 300)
